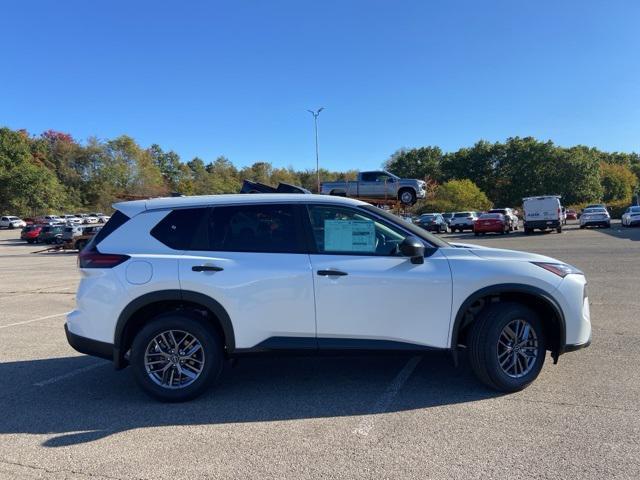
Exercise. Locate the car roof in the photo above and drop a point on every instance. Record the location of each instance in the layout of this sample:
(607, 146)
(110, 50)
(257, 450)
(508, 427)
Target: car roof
(137, 206)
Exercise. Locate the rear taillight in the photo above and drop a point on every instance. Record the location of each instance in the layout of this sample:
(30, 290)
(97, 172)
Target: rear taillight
(92, 258)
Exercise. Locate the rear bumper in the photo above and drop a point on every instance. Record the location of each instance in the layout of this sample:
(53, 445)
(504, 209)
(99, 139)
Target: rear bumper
(462, 225)
(491, 229)
(596, 223)
(542, 224)
(89, 346)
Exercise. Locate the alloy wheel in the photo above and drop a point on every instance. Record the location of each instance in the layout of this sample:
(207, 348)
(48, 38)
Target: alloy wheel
(517, 348)
(174, 359)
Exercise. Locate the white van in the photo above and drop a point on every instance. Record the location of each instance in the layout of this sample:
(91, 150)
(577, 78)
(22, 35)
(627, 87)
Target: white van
(543, 213)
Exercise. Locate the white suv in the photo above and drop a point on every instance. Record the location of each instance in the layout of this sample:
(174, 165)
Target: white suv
(175, 286)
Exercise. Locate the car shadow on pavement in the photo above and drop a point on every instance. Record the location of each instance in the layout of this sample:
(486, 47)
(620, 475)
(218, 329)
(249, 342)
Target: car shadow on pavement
(81, 399)
(623, 233)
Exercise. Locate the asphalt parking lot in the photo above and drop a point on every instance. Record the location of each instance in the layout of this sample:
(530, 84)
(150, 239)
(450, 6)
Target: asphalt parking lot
(66, 415)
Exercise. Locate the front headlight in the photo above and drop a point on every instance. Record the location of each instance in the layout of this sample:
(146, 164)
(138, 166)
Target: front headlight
(560, 269)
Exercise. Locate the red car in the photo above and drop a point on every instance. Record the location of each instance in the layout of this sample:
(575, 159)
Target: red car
(30, 233)
(572, 215)
(491, 222)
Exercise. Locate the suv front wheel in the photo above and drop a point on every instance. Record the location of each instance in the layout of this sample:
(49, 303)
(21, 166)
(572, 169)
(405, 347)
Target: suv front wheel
(507, 346)
(176, 357)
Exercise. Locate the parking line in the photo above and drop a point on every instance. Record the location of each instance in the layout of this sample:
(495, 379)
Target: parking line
(387, 397)
(33, 320)
(70, 374)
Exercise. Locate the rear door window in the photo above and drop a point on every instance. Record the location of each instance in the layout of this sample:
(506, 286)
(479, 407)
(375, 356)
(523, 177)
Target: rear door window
(255, 228)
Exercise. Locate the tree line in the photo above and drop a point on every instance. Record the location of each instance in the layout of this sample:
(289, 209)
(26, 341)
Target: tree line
(53, 172)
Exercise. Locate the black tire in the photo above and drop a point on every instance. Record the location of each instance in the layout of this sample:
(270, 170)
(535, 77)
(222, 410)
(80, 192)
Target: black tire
(476, 234)
(80, 244)
(559, 229)
(11, 227)
(608, 225)
(483, 346)
(527, 231)
(581, 227)
(407, 196)
(211, 347)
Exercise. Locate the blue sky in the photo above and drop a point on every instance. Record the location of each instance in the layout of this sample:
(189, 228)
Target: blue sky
(235, 78)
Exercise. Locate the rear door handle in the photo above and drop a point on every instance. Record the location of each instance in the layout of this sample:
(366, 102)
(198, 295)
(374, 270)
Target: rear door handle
(206, 268)
(331, 273)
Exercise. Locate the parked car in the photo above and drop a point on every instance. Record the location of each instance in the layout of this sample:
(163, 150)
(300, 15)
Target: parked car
(78, 242)
(631, 217)
(11, 222)
(511, 217)
(89, 219)
(572, 214)
(595, 217)
(596, 205)
(462, 221)
(408, 217)
(102, 218)
(70, 232)
(448, 216)
(432, 222)
(378, 185)
(30, 233)
(49, 220)
(51, 234)
(320, 274)
(71, 219)
(492, 222)
(543, 213)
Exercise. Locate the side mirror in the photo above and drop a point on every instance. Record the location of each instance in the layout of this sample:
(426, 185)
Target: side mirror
(413, 248)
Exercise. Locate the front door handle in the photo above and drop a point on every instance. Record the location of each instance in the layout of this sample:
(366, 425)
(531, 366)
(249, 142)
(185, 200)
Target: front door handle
(206, 268)
(331, 273)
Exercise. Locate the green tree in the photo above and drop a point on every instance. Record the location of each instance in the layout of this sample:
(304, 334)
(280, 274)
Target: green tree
(482, 163)
(420, 163)
(28, 186)
(618, 182)
(455, 195)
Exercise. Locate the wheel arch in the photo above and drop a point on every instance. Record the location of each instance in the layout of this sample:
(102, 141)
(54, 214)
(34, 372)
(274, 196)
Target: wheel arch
(534, 297)
(139, 310)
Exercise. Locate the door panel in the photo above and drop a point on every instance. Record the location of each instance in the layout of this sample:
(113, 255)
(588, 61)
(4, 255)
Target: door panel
(265, 294)
(252, 259)
(384, 298)
(376, 293)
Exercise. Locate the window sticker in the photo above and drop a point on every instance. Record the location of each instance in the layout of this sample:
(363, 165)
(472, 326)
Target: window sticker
(349, 236)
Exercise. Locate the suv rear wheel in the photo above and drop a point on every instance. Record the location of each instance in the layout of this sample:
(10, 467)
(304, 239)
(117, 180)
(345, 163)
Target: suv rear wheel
(507, 346)
(407, 196)
(176, 357)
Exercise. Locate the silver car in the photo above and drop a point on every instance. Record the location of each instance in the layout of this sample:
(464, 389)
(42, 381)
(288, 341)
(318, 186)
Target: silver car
(463, 221)
(595, 217)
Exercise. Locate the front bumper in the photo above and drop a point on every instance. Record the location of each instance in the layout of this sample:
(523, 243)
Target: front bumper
(576, 346)
(89, 346)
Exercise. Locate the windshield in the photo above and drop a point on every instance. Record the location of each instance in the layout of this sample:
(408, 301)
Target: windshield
(416, 231)
(498, 210)
(427, 217)
(595, 210)
(634, 210)
(462, 214)
(491, 215)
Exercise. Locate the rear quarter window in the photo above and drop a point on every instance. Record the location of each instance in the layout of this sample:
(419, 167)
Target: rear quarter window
(179, 230)
(116, 221)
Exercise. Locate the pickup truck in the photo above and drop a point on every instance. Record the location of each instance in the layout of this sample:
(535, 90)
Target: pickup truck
(378, 185)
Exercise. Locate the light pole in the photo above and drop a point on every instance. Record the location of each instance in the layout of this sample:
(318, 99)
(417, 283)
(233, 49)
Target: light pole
(315, 124)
